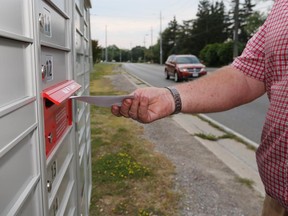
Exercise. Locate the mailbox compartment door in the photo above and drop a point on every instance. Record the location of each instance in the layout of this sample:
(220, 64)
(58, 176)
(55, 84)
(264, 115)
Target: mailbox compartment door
(57, 112)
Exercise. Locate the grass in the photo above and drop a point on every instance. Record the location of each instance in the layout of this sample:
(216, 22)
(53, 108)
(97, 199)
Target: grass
(212, 137)
(248, 182)
(227, 135)
(128, 177)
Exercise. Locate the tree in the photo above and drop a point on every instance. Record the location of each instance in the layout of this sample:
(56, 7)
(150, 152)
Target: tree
(245, 11)
(96, 51)
(210, 25)
(137, 54)
(209, 54)
(218, 54)
(185, 39)
(170, 38)
(253, 22)
(156, 52)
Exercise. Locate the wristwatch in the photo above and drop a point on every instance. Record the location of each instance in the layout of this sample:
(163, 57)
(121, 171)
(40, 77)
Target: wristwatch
(177, 99)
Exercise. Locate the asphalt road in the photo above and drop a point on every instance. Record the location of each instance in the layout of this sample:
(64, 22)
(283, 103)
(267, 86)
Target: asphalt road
(246, 120)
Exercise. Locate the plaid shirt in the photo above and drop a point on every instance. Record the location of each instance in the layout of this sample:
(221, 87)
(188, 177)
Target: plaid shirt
(265, 58)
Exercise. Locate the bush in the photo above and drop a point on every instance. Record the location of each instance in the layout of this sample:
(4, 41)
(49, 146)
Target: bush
(219, 54)
(209, 54)
(225, 53)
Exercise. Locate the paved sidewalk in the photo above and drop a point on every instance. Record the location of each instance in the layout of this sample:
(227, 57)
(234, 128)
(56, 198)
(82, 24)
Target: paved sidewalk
(234, 154)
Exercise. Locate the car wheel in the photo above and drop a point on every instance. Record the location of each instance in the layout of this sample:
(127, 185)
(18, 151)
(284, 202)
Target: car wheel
(167, 75)
(176, 77)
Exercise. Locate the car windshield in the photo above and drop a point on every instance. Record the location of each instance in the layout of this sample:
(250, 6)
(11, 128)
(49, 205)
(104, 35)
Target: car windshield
(187, 60)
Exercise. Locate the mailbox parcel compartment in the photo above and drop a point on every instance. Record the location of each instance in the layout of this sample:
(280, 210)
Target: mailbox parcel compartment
(57, 112)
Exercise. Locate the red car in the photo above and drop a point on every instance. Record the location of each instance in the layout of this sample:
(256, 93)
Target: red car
(184, 67)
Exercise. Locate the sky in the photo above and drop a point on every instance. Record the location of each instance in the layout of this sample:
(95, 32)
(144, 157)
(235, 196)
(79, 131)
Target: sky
(129, 23)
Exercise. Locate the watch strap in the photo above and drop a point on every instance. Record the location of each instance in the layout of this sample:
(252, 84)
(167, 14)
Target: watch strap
(176, 97)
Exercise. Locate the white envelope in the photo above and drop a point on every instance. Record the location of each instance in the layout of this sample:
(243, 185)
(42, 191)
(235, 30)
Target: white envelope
(103, 101)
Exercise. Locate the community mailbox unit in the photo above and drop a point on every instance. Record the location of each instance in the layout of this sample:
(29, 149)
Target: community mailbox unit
(45, 57)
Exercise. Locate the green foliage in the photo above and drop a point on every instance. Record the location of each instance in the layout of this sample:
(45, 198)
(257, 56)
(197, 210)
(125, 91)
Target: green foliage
(210, 137)
(225, 53)
(254, 21)
(248, 182)
(149, 212)
(244, 14)
(118, 167)
(219, 54)
(210, 25)
(100, 70)
(210, 54)
(96, 51)
(137, 54)
(170, 38)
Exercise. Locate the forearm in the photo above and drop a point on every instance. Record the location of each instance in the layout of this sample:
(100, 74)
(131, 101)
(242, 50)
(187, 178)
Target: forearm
(222, 90)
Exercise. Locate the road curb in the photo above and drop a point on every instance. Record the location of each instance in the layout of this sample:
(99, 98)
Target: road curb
(240, 159)
(228, 130)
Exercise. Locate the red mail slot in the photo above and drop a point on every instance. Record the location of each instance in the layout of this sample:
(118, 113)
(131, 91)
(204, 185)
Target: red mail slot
(57, 111)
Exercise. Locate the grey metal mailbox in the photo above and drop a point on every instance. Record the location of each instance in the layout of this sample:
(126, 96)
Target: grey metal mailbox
(45, 49)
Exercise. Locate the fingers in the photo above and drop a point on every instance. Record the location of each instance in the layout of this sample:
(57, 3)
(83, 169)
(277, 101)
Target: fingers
(115, 110)
(135, 108)
(143, 110)
(123, 109)
(133, 112)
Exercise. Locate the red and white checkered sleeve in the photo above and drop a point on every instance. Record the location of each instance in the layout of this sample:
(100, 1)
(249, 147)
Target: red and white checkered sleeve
(252, 60)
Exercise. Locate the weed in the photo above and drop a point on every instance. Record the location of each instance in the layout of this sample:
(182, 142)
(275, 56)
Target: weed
(206, 136)
(212, 137)
(227, 135)
(117, 167)
(248, 182)
(149, 212)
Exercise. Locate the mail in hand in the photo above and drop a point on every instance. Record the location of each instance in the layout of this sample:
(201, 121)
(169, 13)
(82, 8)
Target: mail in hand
(103, 101)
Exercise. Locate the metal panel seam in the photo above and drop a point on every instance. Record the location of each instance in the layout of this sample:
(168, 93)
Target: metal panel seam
(66, 199)
(62, 172)
(24, 196)
(14, 142)
(14, 106)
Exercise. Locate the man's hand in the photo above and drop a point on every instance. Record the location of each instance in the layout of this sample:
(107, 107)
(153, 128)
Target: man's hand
(148, 105)
(224, 89)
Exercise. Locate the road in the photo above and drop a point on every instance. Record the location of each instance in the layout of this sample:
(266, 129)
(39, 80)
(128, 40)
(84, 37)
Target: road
(246, 120)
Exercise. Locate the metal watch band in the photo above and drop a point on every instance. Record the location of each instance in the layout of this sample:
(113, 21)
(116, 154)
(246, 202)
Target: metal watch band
(177, 99)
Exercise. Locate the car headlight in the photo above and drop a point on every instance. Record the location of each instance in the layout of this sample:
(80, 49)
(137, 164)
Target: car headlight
(183, 69)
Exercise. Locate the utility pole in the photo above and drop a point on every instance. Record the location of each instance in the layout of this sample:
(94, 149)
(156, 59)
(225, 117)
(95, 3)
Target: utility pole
(131, 57)
(120, 56)
(144, 41)
(151, 36)
(161, 52)
(236, 29)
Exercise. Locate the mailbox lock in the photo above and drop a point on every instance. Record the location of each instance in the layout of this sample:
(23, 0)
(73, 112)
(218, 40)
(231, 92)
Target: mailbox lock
(50, 138)
(55, 206)
(43, 71)
(41, 20)
(49, 186)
